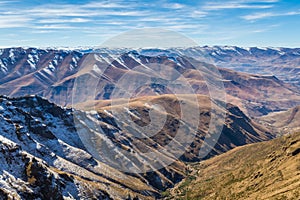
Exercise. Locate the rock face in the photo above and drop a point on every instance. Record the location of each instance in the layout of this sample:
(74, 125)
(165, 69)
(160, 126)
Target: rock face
(43, 156)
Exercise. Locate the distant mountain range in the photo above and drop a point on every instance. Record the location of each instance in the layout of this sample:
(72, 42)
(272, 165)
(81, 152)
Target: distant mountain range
(52, 73)
(281, 62)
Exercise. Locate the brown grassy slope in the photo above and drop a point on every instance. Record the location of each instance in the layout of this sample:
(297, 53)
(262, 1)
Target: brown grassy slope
(267, 170)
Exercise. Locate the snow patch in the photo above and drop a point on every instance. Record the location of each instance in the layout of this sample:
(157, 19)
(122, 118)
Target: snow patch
(3, 67)
(131, 113)
(50, 69)
(12, 55)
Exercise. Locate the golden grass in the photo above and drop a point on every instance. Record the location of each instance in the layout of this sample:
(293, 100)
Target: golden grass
(266, 170)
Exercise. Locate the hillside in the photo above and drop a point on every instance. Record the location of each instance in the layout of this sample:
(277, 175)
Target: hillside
(267, 170)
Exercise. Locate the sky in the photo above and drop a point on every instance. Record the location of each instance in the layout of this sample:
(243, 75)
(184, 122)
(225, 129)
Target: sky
(66, 23)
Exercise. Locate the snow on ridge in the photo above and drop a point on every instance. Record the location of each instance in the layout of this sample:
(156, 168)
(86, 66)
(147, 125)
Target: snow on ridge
(262, 48)
(231, 48)
(32, 60)
(276, 48)
(55, 60)
(32, 65)
(136, 59)
(172, 52)
(50, 68)
(3, 67)
(12, 55)
(74, 60)
(131, 113)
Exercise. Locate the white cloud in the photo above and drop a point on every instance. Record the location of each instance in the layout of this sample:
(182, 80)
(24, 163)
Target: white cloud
(104, 5)
(256, 1)
(174, 5)
(183, 26)
(7, 2)
(234, 5)
(267, 1)
(198, 14)
(259, 31)
(65, 11)
(79, 11)
(13, 21)
(113, 23)
(257, 16)
(53, 26)
(159, 20)
(58, 21)
(98, 18)
(119, 14)
(42, 31)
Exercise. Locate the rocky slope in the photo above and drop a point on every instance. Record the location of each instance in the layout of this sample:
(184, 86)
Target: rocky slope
(42, 157)
(267, 170)
(42, 152)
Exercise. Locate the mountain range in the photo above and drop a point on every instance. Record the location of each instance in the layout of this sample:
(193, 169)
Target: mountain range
(78, 123)
(52, 73)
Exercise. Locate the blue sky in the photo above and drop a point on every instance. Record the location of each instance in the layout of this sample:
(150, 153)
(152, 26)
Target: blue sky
(89, 23)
